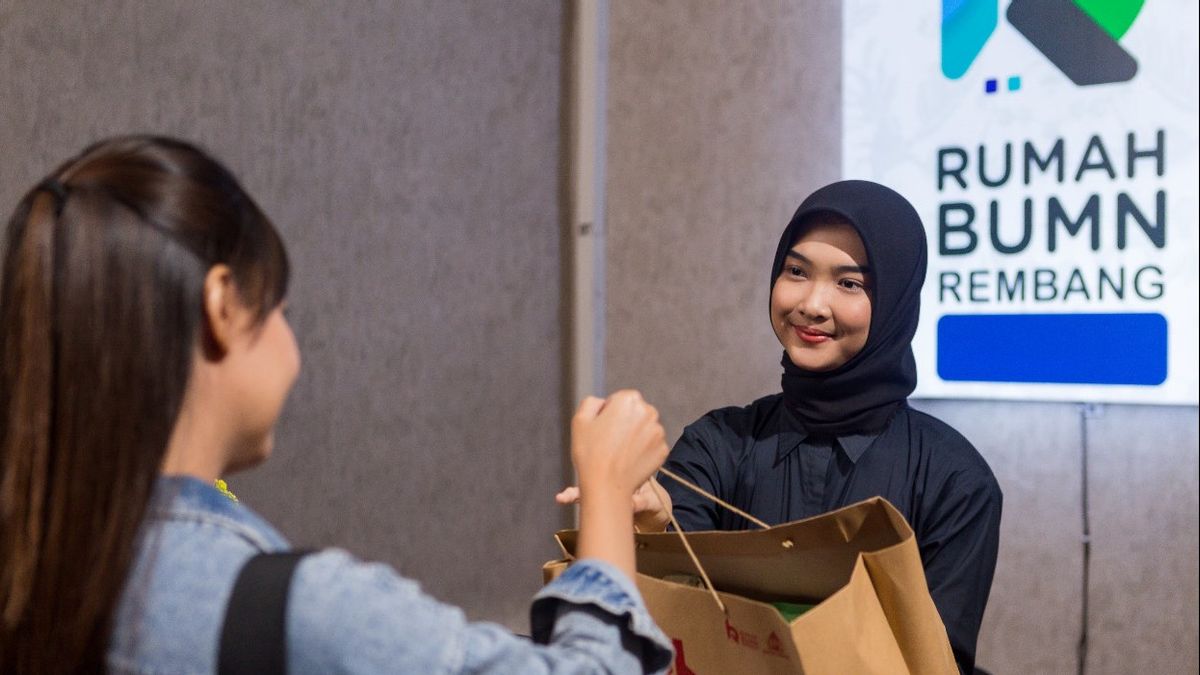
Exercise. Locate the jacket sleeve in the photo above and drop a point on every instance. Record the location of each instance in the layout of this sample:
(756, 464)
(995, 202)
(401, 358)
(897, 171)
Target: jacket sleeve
(351, 617)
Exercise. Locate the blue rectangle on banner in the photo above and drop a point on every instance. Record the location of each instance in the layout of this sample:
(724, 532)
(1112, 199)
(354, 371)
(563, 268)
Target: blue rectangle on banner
(1053, 348)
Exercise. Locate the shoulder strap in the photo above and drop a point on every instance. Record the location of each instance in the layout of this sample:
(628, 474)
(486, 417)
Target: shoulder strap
(254, 636)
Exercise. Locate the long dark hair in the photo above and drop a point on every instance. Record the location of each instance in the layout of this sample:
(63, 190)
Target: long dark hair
(100, 316)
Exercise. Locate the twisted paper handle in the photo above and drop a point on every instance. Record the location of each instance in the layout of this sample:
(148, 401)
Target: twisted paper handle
(682, 537)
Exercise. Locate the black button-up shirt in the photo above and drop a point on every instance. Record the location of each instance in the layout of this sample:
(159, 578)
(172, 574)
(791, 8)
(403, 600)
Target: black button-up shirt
(761, 459)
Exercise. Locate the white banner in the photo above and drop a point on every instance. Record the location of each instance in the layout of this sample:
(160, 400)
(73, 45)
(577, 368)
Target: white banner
(1051, 147)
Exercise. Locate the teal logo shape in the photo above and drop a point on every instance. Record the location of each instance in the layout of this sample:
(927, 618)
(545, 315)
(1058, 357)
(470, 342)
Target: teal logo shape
(1080, 37)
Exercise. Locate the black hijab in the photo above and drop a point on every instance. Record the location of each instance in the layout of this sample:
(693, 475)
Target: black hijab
(861, 395)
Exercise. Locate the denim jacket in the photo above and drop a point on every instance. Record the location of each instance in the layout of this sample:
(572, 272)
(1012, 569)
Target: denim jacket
(347, 616)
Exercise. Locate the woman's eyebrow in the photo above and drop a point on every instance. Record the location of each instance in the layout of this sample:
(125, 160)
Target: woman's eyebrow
(841, 269)
(852, 269)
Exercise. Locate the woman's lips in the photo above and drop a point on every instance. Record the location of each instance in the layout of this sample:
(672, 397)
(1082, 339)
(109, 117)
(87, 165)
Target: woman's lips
(811, 335)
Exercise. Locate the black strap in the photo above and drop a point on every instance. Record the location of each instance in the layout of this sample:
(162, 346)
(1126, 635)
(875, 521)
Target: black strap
(254, 636)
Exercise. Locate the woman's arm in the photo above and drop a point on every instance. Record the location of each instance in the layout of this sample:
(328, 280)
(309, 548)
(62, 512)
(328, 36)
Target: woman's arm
(616, 446)
(351, 617)
(347, 616)
(959, 542)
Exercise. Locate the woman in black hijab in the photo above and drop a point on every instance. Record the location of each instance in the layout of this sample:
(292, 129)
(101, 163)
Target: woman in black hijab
(845, 298)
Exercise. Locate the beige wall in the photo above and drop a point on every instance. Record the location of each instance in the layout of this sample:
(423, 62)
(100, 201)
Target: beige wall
(409, 152)
(721, 120)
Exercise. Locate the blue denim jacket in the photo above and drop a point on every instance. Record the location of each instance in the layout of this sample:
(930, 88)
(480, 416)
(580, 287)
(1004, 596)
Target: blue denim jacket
(347, 616)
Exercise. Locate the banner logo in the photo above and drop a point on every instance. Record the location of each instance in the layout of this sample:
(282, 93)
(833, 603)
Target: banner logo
(1061, 217)
(1080, 37)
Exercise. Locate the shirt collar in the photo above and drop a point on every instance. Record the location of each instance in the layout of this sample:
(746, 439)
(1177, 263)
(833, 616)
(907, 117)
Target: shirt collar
(792, 433)
(854, 445)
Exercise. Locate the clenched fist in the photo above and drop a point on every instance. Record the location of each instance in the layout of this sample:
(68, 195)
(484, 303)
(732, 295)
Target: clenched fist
(616, 443)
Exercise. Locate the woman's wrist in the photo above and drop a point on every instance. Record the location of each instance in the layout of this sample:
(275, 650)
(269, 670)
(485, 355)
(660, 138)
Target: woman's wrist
(606, 526)
(605, 501)
(603, 488)
(652, 521)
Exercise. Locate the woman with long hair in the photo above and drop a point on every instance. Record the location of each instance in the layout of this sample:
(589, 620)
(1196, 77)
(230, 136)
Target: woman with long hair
(145, 353)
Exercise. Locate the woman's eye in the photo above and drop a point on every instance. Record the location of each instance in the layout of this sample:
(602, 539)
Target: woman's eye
(852, 284)
(794, 270)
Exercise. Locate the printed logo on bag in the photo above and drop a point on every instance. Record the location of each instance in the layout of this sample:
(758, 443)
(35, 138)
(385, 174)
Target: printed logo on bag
(1080, 37)
(680, 667)
(1062, 215)
(742, 637)
(774, 645)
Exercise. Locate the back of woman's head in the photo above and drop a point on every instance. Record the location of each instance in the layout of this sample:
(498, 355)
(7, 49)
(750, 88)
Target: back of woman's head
(101, 316)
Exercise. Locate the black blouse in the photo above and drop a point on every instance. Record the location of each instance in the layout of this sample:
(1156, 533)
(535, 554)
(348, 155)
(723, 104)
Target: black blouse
(761, 459)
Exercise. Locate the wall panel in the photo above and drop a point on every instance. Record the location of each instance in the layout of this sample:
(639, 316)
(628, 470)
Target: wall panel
(409, 152)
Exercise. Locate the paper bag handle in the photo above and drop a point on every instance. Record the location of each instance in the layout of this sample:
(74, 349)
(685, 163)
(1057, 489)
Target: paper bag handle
(703, 493)
(683, 538)
(692, 554)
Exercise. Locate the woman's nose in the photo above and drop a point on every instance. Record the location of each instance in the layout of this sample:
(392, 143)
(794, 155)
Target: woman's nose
(815, 302)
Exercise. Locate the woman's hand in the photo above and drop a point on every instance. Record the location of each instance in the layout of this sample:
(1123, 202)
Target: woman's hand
(651, 505)
(616, 444)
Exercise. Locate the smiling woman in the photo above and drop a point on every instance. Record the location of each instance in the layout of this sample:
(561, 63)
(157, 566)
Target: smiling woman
(845, 298)
(821, 304)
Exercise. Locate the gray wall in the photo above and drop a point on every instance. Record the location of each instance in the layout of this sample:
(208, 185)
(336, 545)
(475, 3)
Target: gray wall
(1142, 511)
(720, 122)
(410, 155)
(717, 121)
(409, 152)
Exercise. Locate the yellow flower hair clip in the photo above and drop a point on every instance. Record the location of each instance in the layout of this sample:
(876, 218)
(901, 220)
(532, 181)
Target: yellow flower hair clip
(220, 485)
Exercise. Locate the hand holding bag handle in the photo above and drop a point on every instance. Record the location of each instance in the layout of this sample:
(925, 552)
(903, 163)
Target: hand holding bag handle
(683, 538)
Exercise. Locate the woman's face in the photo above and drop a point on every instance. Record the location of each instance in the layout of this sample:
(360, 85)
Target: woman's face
(267, 363)
(821, 303)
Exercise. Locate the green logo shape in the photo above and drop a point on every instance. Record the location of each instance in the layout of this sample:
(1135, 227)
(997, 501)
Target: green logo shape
(1114, 16)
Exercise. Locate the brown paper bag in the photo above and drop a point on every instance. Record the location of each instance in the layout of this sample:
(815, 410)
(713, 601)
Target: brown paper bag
(859, 564)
